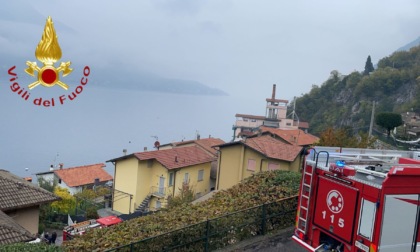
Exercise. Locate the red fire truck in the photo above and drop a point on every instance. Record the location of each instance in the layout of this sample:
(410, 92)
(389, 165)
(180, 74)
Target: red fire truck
(359, 202)
(80, 228)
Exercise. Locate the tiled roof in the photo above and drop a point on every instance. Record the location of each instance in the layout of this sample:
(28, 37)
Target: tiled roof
(292, 135)
(205, 143)
(304, 125)
(273, 148)
(83, 175)
(15, 192)
(177, 157)
(11, 232)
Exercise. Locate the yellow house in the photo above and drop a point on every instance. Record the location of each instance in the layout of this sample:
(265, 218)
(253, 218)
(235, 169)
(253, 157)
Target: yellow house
(144, 181)
(240, 159)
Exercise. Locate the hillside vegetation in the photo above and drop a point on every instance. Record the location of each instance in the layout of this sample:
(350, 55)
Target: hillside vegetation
(346, 100)
(261, 188)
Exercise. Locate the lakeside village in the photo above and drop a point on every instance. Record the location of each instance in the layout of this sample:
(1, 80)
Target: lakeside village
(145, 182)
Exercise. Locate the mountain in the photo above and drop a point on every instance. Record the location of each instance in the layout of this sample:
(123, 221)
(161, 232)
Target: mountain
(119, 76)
(346, 100)
(410, 45)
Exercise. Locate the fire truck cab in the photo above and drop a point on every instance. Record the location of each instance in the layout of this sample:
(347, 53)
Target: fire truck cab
(359, 202)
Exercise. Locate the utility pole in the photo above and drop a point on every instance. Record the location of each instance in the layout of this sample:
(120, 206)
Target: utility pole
(371, 119)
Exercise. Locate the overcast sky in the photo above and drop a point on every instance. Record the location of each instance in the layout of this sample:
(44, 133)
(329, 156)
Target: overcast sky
(241, 47)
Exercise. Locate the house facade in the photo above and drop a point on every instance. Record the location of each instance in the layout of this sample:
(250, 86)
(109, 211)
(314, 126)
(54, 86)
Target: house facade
(75, 179)
(143, 181)
(239, 160)
(19, 207)
(275, 117)
(206, 144)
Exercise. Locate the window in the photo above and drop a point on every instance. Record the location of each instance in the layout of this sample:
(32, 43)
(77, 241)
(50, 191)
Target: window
(200, 175)
(288, 124)
(367, 219)
(253, 120)
(186, 178)
(171, 179)
(158, 204)
(149, 163)
(251, 165)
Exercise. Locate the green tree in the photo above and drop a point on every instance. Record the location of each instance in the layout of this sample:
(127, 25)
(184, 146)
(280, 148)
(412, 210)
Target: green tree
(368, 66)
(388, 121)
(47, 185)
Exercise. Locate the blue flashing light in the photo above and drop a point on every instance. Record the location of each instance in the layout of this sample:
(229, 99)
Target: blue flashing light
(340, 163)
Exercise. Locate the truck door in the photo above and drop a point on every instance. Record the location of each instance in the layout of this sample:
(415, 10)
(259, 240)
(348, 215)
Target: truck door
(335, 208)
(400, 223)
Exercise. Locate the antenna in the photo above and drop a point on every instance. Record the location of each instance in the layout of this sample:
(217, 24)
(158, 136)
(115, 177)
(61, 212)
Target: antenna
(293, 114)
(55, 160)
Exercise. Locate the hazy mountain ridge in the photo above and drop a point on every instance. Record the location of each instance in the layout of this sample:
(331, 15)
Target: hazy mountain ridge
(410, 45)
(116, 78)
(346, 100)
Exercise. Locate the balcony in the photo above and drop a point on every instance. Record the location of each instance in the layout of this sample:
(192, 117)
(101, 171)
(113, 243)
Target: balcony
(159, 192)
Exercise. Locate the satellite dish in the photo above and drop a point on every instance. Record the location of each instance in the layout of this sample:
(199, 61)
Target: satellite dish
(157, 144)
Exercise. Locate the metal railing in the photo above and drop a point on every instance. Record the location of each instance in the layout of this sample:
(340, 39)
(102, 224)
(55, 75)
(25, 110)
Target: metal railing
(221, 231)
(158, 191)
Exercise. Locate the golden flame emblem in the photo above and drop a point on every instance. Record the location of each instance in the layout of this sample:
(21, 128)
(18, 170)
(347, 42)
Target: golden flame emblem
(48, 52)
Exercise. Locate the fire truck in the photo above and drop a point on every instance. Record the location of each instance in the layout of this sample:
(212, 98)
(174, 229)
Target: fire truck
(80, 228)
(363, 200)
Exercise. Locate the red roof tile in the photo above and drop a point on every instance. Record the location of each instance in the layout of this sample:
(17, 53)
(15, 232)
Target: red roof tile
(83, 175)
(176, 157)
(208, 143)
(205, 143)
(273, 148)
(292, 135)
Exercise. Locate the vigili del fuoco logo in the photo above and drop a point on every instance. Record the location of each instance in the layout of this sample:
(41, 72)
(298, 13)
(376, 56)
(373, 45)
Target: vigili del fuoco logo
(48, 52)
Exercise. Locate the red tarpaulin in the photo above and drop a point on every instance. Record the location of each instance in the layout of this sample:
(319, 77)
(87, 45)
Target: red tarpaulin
(109, 220)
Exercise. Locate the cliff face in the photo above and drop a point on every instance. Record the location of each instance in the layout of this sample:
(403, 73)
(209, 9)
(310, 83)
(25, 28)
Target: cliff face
(346, 101)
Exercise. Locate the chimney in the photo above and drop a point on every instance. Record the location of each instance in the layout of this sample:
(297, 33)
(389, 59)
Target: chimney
(273, 95)
(51, 167)
(61, 165)
(125, 151)
(145, 149)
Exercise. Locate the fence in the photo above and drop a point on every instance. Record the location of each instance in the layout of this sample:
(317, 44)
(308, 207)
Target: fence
(221, 231)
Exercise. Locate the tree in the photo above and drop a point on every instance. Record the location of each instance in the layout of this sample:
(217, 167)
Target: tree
(67, 202)
(336, 137)
(368, 66)
(186, 195)
(344, 137)
(388, 121)
(47, 185)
